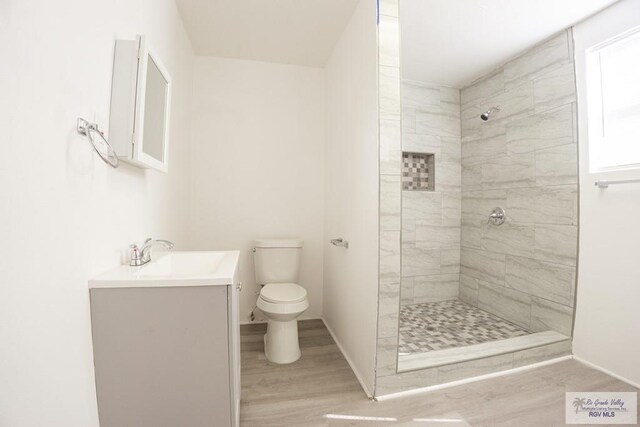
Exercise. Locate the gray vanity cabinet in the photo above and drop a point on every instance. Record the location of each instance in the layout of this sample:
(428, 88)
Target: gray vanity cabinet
(166, 356)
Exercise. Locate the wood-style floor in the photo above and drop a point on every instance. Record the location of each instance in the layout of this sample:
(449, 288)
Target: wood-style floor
(321, 390)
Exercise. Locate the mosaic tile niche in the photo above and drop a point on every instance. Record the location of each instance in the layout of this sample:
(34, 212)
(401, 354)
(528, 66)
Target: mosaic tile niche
(418, 172)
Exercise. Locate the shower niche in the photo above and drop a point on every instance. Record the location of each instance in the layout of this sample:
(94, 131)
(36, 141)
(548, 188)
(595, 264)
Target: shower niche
(418, 171)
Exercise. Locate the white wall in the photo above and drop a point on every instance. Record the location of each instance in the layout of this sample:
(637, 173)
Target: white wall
(351, 192)
(607, 325)
(257, 164)
(66, 216)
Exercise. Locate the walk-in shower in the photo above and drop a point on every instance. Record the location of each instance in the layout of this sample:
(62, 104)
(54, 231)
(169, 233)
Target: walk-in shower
(487, 201)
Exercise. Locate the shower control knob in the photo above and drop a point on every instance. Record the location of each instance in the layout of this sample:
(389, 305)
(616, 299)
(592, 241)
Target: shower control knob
(497, 216)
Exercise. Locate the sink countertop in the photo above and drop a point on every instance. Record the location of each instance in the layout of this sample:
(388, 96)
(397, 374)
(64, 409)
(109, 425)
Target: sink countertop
(171, 269)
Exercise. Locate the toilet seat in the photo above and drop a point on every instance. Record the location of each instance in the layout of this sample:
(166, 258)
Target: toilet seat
(283, 293)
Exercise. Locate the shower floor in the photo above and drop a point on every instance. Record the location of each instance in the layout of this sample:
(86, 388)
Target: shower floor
(449, 324)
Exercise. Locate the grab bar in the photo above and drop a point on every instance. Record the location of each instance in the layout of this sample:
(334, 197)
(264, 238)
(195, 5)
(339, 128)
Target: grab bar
(340, 242)
(605, 183)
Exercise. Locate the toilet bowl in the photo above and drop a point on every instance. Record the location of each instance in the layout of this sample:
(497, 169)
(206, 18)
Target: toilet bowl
(282, 303)
(282, 299)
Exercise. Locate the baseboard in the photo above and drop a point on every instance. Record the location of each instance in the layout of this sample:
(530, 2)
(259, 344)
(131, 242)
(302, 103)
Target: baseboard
(351, 364)
(262, 321)
(606, 371)
(472, 379)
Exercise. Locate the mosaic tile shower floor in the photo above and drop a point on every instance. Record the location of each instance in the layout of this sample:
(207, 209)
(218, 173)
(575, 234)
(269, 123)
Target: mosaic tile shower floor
(448, 324)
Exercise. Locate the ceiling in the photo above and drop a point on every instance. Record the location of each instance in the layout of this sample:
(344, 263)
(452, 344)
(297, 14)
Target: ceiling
(299, 32)
(453, 42)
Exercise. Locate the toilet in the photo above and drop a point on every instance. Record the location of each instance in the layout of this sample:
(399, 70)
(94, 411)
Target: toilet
(282, 299)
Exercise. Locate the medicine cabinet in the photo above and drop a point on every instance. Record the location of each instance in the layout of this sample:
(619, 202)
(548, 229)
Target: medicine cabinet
(140, 104)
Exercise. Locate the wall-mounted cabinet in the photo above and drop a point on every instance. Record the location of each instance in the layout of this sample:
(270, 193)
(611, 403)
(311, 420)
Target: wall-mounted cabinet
(140, 104)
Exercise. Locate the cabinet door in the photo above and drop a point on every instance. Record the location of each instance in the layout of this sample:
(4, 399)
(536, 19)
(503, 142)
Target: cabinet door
(161, 356)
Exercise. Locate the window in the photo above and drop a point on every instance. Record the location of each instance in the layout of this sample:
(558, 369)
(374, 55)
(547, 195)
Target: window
(613, 96)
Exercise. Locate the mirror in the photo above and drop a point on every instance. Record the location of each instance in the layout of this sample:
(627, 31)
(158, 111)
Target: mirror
(140, 101)
(153, 140)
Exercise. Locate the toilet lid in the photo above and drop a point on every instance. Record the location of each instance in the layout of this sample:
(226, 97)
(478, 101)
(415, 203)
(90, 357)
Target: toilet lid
(283, 292)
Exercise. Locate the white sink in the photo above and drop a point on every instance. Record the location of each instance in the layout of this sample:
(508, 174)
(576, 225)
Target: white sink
(174, 269)
(183, 264)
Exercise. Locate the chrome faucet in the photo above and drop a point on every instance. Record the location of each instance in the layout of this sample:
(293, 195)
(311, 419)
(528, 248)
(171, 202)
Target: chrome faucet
(141, 256)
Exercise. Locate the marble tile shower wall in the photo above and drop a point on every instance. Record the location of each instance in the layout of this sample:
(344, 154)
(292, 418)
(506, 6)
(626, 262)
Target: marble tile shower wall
(550, 171)
(390, 188)
(524, 159)
(430, 220)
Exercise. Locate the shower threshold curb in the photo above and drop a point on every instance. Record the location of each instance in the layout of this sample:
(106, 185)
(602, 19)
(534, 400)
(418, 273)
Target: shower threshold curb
(431, 359)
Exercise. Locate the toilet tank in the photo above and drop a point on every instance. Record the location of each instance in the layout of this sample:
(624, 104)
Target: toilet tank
(277, 260)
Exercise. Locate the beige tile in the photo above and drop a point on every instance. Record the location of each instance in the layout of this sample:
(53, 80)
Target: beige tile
(543, 205)
(556, 205)
(541, 59)
(448, 176)
(556, 243)
(515, 102)
(472, 177)
(483, 265)
(389, 93)
(450, 95)
(542, 353)
(421, 205)
(557, 165)
(390, 202)
(488, 146)
(389, 299)
(539, 131)
(415, 94)
(440, 287)
(468, 290)
(389, 41)
(386, 356)
(509, 238)
(450, 260)
(517, 170)
(437, 123)
(557, 87)
(480, 91)
(451, 208)
(420, 262)
(436, 236)
(539, 278)
(506, 303)
(406, 290)
(471, 234)
(451, 150)
(417, 143)
(474, 368)
(408, 121)
(390, 148)
(389, 257)
(521, 204)
(480, 204)
(388, 325)
(547, 315)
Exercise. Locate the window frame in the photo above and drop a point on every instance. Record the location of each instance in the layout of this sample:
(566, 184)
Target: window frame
(594, 95)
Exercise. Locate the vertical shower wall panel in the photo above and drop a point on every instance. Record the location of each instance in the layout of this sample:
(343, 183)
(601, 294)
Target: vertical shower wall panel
(390, 187)
(523, 159)
(431, 219)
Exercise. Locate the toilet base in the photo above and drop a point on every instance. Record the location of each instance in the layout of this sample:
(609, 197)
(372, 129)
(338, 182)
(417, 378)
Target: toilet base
(281, 342)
